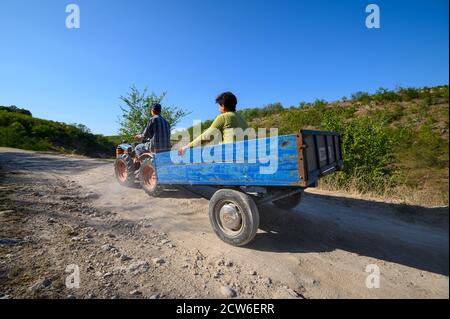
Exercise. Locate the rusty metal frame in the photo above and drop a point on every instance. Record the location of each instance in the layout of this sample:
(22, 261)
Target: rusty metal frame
(302, 161)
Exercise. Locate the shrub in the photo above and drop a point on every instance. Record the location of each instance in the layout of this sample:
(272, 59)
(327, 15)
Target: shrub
(366, 150)
(360, 96)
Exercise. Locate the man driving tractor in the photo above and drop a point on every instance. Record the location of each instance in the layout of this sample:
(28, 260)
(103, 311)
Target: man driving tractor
(137, 162)
(156, 134)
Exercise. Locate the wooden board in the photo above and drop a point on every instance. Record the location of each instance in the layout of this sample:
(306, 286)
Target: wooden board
(237, 164)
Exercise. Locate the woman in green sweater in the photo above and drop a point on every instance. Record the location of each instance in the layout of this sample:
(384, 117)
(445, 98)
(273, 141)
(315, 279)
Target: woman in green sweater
(225, 123)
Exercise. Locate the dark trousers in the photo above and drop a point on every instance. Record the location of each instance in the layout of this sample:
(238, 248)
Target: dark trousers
(142, 148)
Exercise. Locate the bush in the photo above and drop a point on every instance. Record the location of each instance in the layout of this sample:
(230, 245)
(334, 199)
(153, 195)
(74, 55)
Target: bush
(408, 94)
(385, 95)
(388, 114)
(366, 150)
(360, 96)
(267, 110)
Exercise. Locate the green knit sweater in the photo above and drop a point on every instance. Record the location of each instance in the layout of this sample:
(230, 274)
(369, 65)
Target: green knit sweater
(225, 123)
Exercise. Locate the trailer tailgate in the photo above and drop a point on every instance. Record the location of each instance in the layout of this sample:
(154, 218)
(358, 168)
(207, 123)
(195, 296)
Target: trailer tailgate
(320, 154)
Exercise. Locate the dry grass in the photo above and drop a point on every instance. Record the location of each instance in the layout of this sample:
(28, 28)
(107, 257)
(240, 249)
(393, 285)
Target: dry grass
(426, 195)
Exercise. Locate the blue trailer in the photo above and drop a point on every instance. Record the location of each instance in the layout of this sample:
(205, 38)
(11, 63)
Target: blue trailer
(246, 174)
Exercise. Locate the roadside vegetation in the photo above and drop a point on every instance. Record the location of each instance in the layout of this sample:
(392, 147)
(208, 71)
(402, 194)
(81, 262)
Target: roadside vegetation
(19, 129)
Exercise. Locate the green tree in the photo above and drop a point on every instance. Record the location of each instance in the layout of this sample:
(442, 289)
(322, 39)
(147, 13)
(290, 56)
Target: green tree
(83, 128)
(136, 111)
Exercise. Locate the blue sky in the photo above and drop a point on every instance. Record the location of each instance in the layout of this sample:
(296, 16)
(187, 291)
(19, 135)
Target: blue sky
(263, 51)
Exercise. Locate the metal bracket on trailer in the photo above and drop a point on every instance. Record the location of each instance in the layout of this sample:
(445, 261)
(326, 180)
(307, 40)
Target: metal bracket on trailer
(278, 196)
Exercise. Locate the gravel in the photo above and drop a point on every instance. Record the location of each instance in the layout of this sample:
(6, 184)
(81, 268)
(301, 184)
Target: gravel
(227, 292)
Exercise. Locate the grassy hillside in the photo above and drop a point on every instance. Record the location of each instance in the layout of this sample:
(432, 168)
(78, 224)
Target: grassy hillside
(395, 142)
(19, 129)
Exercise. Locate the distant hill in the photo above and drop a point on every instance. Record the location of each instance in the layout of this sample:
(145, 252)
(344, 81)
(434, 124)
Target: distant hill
(19, 129)
(395, 141)
(15, 109)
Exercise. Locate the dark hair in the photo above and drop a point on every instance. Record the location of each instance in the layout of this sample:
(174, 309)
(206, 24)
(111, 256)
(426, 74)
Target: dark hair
(228, 100)
(156, 108)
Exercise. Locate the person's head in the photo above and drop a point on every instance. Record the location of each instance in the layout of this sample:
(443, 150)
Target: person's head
(227, 102)
(156, 109)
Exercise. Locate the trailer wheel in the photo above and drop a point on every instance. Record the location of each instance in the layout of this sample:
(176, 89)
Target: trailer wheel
(147, 178)
(124, 170)
(234, 216)
(289, 202)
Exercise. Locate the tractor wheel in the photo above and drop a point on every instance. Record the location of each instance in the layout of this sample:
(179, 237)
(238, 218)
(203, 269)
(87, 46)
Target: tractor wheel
(124, 169)
(234, 216)
(289, 202)
(147, 177)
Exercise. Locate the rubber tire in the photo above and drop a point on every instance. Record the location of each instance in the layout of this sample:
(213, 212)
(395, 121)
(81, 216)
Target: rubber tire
(130, 168)
(250, 217)
(154, 190)
(289, 202)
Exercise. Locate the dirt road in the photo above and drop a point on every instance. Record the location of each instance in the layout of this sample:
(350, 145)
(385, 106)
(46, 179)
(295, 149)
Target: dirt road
(58, 210)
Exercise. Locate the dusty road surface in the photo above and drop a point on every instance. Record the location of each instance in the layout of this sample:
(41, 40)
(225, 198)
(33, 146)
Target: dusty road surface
(57, 211)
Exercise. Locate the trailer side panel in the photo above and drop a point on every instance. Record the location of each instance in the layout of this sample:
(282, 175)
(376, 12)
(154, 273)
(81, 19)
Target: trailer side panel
(272, 161)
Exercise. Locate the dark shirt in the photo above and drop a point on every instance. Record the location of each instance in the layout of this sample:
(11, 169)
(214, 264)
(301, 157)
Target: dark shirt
(157, 132)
